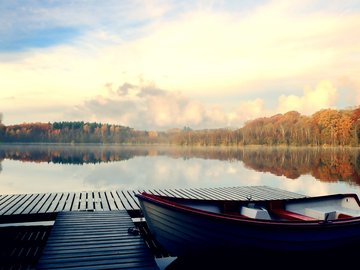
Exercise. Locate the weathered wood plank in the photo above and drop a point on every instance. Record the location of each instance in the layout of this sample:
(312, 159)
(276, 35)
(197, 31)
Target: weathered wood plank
(48, 202)
(130, 199)
(69, 202)
(135, 199)
(93, 247)
(82, 200)
(210, 193)
(13, 202)
(97, 201)
(223, 194)
(40, 204)
(117, 200)
(3, 198)
(33, 204)
(55, 202)
(124, 200)
(25, 204)
(196, 193)
(167, 192)
(76, 202)
(90, 201)
(61, 204)
(104, 201)
(111, 201)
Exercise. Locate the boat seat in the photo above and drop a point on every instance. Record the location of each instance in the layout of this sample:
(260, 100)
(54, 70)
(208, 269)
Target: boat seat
(282, 213)
(320, 214)
(342, 215)
(257, 213)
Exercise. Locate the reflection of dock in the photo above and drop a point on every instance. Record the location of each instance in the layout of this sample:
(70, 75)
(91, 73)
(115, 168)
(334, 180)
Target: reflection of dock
(92, 220)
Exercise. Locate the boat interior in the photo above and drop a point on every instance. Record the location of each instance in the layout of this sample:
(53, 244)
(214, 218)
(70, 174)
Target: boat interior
(326, 208)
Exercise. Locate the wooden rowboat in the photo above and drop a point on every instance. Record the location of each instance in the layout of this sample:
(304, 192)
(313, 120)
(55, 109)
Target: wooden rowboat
(190, 226)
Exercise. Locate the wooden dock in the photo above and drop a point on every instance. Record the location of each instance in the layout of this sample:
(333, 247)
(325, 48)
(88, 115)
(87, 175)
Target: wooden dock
(95, 240)
(18, 206)
(91, 228)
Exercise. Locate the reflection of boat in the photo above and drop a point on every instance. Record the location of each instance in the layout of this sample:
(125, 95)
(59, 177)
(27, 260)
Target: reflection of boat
(190, 226)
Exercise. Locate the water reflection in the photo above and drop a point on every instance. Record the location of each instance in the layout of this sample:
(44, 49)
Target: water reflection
(325, 164)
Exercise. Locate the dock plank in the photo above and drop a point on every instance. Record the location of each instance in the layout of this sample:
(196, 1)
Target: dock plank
(90, 201)
(40, 204)
(132, 193)
(124, 200)
(111, 200)
(97, 201)
(76, 202)
(130, 199)
(93, 247)
(13, 202)
(61, 204)
(117, 200)
(104, 201)
(69, 202)
(48, 203)
(82, 205)
(33, 204)
(55, 203)
(25, 204)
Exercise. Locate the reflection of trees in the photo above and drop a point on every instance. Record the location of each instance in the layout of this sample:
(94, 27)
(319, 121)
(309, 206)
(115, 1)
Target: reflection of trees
(67, 154)
(325, 164)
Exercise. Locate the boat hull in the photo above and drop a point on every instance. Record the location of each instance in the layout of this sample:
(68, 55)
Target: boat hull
(184, 232)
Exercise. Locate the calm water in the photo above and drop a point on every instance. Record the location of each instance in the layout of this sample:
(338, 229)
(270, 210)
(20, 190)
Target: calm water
(57, 168)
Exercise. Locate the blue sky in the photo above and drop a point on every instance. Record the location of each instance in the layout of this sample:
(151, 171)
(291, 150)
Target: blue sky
(202, 64)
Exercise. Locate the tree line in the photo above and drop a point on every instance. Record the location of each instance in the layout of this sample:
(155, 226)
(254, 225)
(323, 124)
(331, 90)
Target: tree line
(328, 127)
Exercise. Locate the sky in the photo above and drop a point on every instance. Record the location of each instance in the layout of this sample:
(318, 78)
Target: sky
(169, 64)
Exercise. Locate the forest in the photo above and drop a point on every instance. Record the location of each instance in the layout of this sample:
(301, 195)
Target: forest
(327, 127)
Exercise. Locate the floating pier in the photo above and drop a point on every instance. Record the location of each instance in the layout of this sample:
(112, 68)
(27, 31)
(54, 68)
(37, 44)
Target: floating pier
(91, 228)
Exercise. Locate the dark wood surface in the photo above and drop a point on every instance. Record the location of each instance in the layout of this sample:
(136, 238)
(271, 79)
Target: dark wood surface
(95, 240)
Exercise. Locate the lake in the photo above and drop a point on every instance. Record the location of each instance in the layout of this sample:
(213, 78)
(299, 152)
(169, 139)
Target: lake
(64, 168)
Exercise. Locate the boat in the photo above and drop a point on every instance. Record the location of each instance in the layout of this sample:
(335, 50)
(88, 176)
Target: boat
(193, 226)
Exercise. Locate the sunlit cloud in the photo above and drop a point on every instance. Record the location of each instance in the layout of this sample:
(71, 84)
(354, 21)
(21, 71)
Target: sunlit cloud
(312, 100)
(147, 106)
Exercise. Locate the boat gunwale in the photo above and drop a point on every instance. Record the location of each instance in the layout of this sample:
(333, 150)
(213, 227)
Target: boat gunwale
(175, 203)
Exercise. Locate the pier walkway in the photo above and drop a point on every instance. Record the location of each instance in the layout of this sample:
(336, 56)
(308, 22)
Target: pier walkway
(95, 240)
(18, 206)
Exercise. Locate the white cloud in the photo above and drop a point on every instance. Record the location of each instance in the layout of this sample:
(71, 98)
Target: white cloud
(247, 110)
(145, 106)
(323, 96)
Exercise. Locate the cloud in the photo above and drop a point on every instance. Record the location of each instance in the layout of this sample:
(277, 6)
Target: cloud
(202, 55)
(145, 106)
(349, 89)
(247, 110)
(323, 96)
